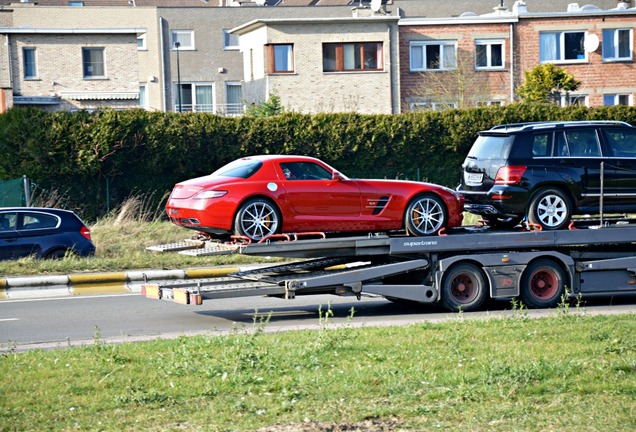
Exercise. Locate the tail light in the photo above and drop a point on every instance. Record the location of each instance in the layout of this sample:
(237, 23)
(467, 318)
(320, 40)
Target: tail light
(86, 233)
(509, 175)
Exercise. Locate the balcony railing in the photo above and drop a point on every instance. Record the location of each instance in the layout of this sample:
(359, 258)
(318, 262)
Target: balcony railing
(228, 110)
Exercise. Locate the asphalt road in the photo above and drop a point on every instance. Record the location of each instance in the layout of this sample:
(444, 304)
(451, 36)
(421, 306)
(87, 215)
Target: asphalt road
(61, 322)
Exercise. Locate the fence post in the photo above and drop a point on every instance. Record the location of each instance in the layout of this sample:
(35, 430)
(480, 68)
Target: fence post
(27, 190)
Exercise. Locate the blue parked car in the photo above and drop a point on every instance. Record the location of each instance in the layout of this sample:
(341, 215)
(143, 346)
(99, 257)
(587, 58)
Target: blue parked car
(43, 233)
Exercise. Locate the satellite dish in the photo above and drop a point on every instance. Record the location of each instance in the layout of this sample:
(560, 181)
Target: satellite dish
(260, 2)
(591, 43)
(376, 5)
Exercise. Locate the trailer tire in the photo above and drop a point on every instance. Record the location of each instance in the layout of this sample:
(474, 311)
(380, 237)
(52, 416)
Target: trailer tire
(542, 284)
(257, 218)
(425, 215)
(464, 288)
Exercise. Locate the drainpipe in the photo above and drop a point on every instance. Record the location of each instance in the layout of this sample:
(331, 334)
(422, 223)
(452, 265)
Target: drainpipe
(163, 64)
(512, 63)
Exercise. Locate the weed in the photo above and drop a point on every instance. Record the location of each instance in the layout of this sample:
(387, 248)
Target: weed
(519, 310)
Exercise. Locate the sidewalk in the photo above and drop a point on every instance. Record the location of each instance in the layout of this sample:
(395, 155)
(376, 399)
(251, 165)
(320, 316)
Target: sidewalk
(29, 287)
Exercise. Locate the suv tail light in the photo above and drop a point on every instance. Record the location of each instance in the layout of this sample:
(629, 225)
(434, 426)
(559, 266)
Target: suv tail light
(86, 233)
(509, 175)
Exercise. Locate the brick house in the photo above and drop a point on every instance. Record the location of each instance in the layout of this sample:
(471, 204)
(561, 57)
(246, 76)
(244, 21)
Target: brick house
(322, 65)
(479, 60)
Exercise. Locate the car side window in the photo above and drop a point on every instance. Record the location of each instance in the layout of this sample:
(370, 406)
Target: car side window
(304, 171)
(33, 221)
(8, 221)
(622, 143)
(577, 143)
(541, 145)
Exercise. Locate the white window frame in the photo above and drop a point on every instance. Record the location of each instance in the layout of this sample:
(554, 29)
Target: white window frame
(567, 99)
(616, 97)
(91, 75)
(174, 37)
(193, 107)
(233, 109)
(611, 36)
(560, 49)
(228, 38)
(432, 105)
(488, 43)
(443, 46)
(143, 96)
(141, 46)
(35, 63)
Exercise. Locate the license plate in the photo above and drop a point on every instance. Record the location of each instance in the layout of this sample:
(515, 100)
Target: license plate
(473, 178)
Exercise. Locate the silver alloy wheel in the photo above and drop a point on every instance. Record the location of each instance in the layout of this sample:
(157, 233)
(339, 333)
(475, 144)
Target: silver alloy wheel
(257, 219)
(552, 211)
(425, 215)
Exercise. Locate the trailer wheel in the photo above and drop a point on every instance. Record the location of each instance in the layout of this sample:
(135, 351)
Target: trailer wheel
(425, 215)
(257, 218)
(542, 284)
(463, 288)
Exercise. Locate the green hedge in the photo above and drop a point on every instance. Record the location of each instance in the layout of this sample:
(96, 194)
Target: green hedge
(99, 159)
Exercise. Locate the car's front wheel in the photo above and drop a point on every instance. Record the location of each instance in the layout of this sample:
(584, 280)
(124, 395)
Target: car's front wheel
(550, 208)
(425, 215)
(257, 218)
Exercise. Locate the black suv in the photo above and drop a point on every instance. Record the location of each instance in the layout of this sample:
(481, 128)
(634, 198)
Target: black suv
(546, 172)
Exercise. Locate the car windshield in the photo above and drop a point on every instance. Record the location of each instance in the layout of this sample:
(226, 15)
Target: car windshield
(491, 147)
(242, 168)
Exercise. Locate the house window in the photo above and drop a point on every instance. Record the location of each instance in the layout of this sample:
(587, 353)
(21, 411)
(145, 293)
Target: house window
(195, 97)
(617, 44)
(489, 54)
(281, 58)
(617, 99)
(30, 65)
(93, 62)
(230, 41)
(561, 46)
(234, 98)
(440, 55)
(573, 99)
(358, 56)
(76, 3)
(184, 37)
(141, 42)
(432, 105)
(143, 96)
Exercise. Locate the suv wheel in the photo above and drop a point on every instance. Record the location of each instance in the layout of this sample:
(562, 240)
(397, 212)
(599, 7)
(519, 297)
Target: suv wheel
(550, 208)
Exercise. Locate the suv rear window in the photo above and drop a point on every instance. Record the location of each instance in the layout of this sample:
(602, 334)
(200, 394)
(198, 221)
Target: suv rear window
(491, 147)
(621, 142)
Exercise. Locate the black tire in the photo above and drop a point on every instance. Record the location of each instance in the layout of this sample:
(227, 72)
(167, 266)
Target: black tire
(464, 288)
(425, 215)
(56, 254)
(257, 218)
(551, 209)
(542, 284)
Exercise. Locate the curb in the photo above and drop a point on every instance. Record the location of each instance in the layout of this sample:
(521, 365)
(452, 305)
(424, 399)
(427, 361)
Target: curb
(31, 287)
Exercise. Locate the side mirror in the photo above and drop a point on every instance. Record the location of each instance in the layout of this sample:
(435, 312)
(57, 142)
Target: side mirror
(337, 176)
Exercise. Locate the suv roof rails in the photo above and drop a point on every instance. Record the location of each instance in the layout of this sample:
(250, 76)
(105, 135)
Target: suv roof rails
(538, 125)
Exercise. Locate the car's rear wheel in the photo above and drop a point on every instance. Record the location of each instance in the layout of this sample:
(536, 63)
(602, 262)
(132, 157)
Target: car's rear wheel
(257, 218)
(425, 215)
(550, 208)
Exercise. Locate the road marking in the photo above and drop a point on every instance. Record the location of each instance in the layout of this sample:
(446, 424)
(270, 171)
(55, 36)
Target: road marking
(9, 319)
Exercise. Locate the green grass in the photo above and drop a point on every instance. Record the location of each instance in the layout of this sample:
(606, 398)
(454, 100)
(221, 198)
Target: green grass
(567, 373)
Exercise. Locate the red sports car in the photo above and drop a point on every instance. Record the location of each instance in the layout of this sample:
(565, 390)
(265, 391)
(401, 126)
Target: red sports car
(263, 195)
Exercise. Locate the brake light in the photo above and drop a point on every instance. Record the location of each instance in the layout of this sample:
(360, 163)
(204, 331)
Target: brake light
(86, 233)
(509, 175)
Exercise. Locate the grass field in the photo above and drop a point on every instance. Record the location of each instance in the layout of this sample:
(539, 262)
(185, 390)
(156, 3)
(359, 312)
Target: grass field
(569, 372)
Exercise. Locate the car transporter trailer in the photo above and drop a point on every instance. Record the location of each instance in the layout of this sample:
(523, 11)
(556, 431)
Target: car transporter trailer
(459, 270)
